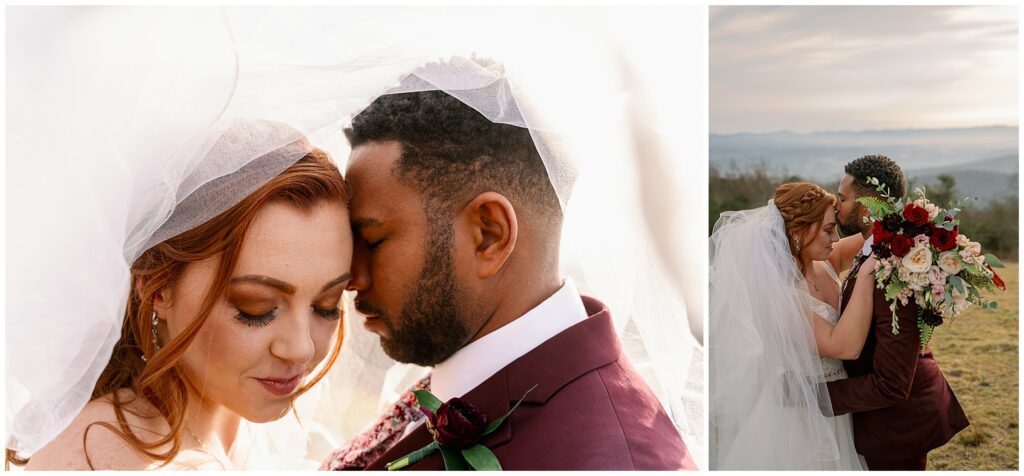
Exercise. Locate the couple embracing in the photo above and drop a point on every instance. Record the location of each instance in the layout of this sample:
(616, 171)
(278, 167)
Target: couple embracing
(446, 230)
(805, 371)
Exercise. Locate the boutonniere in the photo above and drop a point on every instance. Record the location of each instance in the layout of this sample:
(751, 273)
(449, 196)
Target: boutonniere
(457, 427)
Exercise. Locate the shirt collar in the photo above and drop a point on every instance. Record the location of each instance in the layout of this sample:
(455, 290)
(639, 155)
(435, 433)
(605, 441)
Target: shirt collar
(479, 360)
(866, 249)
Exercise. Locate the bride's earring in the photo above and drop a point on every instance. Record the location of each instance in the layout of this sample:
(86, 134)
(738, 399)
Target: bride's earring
(156, 322)
(156, 341)
(796, 241)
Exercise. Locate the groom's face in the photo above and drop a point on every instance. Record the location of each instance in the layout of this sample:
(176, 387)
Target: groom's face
(403, 270)
(848, 210)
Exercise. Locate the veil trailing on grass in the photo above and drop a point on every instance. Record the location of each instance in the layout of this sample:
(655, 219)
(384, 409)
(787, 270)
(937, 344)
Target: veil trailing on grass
(769, 406)
(117, 115)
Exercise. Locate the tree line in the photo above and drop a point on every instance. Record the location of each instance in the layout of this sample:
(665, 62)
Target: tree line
(993, 223)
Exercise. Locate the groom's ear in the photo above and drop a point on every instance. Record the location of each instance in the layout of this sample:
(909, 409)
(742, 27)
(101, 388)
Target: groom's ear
(494, 230)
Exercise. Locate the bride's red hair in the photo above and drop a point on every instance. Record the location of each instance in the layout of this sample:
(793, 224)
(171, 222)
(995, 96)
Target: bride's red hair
(158, 380)
(803, 206)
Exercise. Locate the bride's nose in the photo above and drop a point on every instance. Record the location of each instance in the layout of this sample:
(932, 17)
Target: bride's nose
(293, 340)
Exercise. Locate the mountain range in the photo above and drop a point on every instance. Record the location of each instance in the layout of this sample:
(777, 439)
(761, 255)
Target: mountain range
(984, 160)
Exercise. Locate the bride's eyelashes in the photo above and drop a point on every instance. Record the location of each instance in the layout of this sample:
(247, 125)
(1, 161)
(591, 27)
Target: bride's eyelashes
(253, 320)
(330, 314)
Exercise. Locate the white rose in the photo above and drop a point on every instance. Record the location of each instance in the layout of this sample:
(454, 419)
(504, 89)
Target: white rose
(962, 240)
(959, 301)
(918, 260)
(950, 262)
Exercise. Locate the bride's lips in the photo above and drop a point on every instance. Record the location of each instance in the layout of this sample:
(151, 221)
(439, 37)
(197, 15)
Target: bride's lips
(280, 386)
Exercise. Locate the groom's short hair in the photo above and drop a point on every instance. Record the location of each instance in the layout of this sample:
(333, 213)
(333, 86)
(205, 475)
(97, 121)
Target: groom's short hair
(881, 168)
(451, 153)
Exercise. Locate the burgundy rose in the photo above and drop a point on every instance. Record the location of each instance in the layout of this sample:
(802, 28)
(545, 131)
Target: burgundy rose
(901, 245)
(915, 214)
(457, 423)
(893, 222)
(943, 239)
(931, 318)
(880, 233)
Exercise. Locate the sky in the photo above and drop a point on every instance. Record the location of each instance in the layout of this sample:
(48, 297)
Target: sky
(811, 68)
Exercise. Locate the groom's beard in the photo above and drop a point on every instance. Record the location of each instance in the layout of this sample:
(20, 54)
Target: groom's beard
(851, 224)
(429, 328)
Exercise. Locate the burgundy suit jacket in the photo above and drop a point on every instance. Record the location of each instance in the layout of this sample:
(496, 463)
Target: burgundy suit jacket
(590, 410)
(902, 405)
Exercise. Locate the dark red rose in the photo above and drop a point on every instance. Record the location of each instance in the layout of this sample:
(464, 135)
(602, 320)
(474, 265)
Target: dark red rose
(457, 424)
(880, 233)
(901, 245)
(943, 239)
(893, 222)
(931, 318)
(996, 279)
(915, 214)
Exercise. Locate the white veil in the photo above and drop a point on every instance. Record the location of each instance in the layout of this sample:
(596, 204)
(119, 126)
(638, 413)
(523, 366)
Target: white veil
(115, 120)
(769, 406)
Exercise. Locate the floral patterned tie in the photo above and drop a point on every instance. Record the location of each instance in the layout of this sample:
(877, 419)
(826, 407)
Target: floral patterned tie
(857, 262)
(367, 447)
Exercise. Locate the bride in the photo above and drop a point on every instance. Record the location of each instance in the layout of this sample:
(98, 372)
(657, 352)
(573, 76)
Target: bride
(226, 319)
(777, 335)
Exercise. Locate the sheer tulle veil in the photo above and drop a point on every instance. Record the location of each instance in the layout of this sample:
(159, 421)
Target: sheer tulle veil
(116, 116)
(769, 407)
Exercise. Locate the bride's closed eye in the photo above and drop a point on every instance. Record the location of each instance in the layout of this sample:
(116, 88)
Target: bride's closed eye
(330, 314)
(256, 320)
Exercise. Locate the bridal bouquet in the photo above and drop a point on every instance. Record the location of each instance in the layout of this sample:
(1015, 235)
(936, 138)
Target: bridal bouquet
(922, 256)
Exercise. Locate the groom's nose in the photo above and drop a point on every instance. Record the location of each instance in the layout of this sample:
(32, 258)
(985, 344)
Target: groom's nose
(360, 269)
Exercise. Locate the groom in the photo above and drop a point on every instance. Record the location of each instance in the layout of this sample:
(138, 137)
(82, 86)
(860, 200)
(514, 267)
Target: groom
(902, 406)
(456, 267)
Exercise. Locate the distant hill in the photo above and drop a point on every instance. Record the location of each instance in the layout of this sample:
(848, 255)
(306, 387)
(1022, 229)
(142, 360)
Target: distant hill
(984, 159)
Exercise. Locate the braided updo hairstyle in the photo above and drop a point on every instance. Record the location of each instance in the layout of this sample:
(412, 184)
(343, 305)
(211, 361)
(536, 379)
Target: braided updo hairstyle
(803, 205)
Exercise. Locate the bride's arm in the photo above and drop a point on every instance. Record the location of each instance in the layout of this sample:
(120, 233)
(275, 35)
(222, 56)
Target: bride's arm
(844, 251)
(846, 339)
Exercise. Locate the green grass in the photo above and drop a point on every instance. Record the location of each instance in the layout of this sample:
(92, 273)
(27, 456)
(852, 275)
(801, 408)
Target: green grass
(978, 355)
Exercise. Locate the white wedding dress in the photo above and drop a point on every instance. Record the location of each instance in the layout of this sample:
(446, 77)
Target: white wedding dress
(833, 369)
(769, 403)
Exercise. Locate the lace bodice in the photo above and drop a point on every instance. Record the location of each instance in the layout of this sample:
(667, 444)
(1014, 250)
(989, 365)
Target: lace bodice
(833, 368)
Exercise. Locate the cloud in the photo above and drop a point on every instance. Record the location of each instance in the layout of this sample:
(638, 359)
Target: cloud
(828, 68)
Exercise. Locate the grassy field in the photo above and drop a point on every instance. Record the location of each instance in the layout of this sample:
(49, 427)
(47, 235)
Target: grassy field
(978, 355)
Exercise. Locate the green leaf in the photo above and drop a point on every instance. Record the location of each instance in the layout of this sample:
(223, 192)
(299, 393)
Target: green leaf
(878, 208)
(453, 460)
(993, 261)
(926, 333)
(957, 283)
(427, 400)
(412, 458)
(494, 425)
(481, 458)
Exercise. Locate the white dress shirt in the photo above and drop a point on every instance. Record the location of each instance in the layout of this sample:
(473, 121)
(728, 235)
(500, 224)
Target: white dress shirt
(867, 246)
(479, 360)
